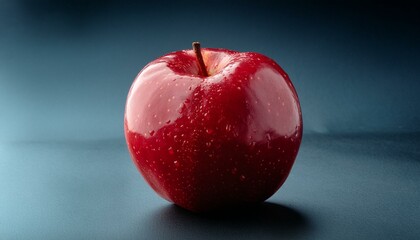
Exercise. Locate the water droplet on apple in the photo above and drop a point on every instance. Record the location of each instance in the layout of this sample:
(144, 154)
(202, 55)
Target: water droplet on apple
(176, 163)
(169, 121)
(228, 127)
(209, 131)
(152, 133)
(208, 144)
(171, 151)
(242, 178)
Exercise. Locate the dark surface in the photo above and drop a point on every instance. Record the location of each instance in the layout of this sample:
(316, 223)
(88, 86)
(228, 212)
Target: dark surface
(341, 187)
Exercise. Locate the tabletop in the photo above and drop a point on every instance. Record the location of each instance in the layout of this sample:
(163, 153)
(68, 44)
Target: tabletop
(341, 187)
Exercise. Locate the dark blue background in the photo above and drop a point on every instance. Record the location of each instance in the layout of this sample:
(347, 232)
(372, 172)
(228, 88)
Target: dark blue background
(66, 67)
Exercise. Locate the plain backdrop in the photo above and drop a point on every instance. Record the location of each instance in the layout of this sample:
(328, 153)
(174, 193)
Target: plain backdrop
(66, 66)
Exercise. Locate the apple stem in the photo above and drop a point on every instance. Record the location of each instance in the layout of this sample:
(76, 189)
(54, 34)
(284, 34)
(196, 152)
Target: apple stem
(197, 50)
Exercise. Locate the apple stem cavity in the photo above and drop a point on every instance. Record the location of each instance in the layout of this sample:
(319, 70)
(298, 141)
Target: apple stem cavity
(197, 50)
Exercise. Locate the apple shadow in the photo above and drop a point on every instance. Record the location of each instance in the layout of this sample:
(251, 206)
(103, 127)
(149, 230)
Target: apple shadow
(265, 220)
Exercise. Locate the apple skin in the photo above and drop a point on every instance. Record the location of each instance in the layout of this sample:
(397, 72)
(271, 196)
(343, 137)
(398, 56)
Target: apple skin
(206, 143)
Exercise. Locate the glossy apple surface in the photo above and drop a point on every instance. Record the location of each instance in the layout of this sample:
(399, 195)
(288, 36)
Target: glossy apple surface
(205, 142)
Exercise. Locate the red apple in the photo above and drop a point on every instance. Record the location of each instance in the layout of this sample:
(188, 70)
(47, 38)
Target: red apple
(210, 128)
